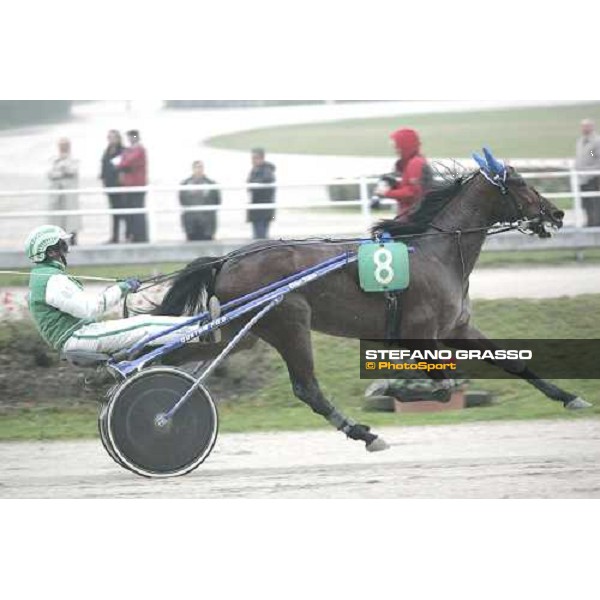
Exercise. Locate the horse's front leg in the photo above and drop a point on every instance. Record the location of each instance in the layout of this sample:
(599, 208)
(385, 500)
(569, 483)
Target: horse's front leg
(470, 338)
(307, 389)
(287, 329)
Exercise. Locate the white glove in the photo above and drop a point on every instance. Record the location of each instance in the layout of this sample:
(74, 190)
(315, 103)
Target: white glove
(116, 161)
(383, 187)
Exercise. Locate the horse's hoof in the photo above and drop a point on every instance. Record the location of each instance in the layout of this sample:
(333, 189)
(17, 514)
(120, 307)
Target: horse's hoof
(377, 445)
(577, 404)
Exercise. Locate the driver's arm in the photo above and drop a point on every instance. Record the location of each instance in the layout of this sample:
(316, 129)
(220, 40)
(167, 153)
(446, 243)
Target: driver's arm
(410, 187)
(66, 296)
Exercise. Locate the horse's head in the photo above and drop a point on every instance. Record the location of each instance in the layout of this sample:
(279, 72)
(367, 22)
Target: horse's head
(520, 202)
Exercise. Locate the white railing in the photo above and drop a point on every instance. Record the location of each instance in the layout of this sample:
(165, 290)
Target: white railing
(363, 201)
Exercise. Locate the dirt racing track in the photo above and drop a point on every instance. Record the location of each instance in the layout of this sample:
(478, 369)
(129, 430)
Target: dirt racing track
(532, 459)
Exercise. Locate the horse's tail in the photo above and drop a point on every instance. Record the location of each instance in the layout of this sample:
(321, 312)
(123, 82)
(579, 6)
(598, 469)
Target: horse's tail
(191, 288)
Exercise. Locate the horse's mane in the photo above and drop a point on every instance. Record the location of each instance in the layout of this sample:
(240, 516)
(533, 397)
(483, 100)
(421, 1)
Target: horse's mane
(437, 198)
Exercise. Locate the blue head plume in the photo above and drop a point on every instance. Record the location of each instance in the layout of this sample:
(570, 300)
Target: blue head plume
(494, 165)
(480, 161)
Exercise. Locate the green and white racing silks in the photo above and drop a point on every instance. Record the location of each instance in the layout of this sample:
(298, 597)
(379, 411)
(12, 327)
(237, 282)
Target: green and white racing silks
(60, 306)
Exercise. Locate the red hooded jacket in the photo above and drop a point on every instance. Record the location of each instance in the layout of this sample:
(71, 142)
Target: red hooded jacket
(410, 167)
(132, 169)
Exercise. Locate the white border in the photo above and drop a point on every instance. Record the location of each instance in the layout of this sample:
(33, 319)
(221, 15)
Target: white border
(299, 549)
(265, 49)
(294, 549)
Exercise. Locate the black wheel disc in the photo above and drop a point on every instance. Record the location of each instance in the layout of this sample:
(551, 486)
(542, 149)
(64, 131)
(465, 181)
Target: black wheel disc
(103, 431)
(149, 447)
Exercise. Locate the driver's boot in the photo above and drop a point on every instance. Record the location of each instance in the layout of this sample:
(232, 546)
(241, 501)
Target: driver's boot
(214, 310)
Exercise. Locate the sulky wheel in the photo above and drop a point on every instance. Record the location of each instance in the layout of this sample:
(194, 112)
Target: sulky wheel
(142, 441)
(102, 429)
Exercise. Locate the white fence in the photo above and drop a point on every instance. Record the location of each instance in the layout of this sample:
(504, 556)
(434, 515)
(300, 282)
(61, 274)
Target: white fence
(340, 221)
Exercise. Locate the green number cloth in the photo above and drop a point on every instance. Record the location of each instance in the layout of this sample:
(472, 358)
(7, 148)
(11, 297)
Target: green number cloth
(383, 267)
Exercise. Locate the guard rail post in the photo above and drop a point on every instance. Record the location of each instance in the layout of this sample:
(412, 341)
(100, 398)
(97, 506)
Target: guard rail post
(365, 202)
(151, 219)
(577, 204)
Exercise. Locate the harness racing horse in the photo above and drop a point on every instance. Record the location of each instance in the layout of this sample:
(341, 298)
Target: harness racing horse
(458, 215)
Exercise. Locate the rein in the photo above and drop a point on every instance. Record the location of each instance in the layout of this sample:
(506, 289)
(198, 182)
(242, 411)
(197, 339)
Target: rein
(152, 282)
(497, 181)
(82, 277)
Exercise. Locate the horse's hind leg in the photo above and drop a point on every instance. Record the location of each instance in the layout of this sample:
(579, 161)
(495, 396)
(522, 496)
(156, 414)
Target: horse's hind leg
(287, 329)
(470, 338)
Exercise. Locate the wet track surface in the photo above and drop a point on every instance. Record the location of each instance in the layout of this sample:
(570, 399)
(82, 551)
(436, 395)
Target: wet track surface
(533, 459)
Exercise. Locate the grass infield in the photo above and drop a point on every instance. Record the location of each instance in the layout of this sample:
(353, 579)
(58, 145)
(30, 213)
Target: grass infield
(543, 132)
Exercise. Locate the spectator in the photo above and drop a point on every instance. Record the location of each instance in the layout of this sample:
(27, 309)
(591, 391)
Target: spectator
(587, 158)
(132, 168)
(199, 225)
(64, 175)
(262, 172)
(415, 174)
(110, 179)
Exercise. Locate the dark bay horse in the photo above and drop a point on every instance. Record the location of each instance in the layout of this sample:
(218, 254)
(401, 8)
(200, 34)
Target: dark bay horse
(435, 307)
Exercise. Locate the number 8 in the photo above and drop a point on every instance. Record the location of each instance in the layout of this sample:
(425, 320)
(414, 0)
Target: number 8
(384, 273)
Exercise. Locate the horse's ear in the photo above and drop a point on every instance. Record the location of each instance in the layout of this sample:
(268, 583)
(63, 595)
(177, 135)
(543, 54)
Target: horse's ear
(495, 166)
(480, 161)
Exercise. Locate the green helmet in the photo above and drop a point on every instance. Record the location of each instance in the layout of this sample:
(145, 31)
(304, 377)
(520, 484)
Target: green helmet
(42, 238)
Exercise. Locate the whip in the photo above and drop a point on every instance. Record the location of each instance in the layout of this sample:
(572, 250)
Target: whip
(88, 278)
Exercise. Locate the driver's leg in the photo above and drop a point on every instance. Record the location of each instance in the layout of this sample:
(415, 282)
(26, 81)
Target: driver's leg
(109, 337)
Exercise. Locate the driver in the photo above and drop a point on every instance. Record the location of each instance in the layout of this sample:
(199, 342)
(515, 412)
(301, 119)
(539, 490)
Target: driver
(68, 317)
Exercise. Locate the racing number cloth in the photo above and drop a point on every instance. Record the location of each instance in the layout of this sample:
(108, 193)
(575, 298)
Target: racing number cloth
(383, 267)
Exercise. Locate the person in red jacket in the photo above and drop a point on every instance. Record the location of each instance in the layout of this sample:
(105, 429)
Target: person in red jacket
(132, 168)
(414, 172)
